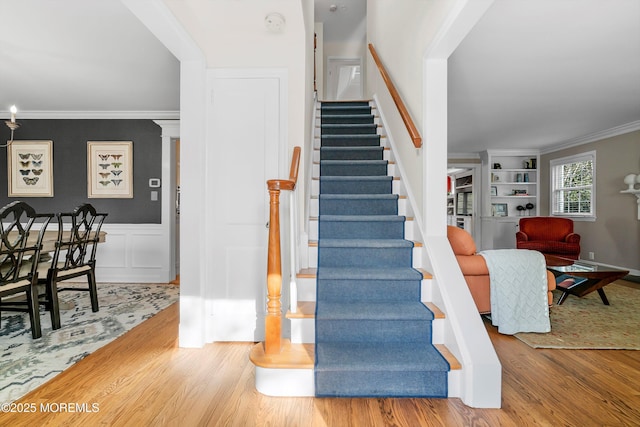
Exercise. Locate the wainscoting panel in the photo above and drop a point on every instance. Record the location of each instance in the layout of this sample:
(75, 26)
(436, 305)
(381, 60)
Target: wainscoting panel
(133, 253)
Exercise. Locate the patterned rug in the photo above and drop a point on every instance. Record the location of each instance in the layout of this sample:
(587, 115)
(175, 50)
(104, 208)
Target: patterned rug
(586, 323)
(26, 363)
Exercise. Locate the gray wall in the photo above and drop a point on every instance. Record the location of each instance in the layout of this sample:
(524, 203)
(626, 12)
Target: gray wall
(70, 165)
(614, 237)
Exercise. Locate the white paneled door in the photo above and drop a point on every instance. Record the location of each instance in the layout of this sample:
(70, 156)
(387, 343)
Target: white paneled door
(244, 138)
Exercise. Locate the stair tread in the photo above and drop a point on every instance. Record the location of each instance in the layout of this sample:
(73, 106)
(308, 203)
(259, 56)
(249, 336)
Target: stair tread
(387, 273)
(352, 136)
(356, 148)
(387, 310)
(395, 357)
(332, 116)
(302, 356)
(305, 310)
(356, 178)
(292, 356)
(354, 162)
(317, 218)
(365, 243)
(359, 196)
(356, 196)
(348, 125)
(312, 273)
(380, 218)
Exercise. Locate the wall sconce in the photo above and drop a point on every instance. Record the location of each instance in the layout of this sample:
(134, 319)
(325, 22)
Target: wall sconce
(11, 124)
(631, 180)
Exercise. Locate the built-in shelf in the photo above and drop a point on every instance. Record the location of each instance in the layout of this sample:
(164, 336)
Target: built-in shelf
(510, 191)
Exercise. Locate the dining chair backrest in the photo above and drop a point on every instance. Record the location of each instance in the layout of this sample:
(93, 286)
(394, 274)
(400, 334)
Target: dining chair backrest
(79, 243)
(16, 248)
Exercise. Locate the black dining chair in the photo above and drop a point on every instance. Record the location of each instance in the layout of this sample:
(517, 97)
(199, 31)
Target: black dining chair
(19, 254)
(74, 256)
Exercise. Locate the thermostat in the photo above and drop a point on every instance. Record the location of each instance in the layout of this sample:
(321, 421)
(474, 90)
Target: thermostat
(154, 182)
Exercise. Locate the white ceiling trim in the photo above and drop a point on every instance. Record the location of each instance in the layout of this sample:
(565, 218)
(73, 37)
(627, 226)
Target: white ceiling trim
(592, 137)
(152, 115)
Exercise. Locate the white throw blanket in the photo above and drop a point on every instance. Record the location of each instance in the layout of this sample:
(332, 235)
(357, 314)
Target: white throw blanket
(519, 301)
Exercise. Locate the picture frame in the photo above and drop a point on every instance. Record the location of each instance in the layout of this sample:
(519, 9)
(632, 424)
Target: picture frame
(494, 190)
(110, 169)
(499, 209)
(30, 168)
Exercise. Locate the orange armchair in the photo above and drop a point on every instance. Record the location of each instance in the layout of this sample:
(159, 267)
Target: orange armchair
(475, 271)
(549, 235)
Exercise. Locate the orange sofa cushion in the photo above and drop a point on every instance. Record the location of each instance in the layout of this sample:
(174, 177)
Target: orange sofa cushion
(475, 270)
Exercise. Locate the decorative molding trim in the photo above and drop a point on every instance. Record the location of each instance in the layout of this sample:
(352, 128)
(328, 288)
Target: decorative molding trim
(151, 115)
(592, 137)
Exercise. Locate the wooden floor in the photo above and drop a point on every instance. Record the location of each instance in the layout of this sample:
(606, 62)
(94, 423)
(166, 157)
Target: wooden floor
(144, 379)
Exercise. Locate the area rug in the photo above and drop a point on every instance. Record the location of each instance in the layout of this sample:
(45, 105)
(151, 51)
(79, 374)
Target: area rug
(26, 363)
(586, 323)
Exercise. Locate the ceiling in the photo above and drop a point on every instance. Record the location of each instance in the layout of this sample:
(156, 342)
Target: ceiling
(83, 56)
(532, 73)
(542, 73)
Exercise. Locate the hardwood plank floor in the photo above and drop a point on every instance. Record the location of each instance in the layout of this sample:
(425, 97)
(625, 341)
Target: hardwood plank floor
(144, 379)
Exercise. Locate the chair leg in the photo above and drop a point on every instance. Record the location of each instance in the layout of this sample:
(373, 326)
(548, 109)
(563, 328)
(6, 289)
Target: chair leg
(52, 296)
(93, 290)
(34, 311)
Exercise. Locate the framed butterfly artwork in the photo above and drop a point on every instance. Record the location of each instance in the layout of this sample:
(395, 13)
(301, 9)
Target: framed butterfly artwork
(30, 168)
(110, 169)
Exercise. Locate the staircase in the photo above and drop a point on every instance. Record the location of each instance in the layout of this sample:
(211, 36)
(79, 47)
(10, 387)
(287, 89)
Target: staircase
(373, 334)
(362, 306)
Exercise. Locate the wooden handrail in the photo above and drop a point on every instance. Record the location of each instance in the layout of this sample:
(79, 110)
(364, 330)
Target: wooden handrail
(273, 321)
(404, 113)
(295, 165)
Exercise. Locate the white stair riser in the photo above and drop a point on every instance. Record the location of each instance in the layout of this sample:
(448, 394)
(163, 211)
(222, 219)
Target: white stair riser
(285, 382)
(303, 331)
(306, 288)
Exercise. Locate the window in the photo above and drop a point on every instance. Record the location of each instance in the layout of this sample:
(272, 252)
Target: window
(573, 186)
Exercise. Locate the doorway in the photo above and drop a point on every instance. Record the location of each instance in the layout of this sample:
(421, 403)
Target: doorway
(344, 78)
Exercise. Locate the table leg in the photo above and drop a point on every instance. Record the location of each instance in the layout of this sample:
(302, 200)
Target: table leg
(603, 297)
(562, 298)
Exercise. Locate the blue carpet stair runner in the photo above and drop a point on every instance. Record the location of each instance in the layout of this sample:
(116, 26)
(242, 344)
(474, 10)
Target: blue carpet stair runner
(373, 335)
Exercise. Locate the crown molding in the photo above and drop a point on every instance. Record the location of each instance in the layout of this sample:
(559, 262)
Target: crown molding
(58, 115)
(592, 137)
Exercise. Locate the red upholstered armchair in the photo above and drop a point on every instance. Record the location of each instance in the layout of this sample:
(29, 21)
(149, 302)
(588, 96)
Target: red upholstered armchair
(475, 270)
(549, 235)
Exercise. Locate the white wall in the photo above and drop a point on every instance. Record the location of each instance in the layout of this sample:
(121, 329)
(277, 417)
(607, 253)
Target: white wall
(401, 33)
(233, 35)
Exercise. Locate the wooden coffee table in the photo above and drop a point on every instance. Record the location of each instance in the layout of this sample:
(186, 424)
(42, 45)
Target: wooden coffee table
(598, 276)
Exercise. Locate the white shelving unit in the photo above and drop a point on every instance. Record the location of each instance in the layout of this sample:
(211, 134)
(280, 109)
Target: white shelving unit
(460, 203)
(510, 179)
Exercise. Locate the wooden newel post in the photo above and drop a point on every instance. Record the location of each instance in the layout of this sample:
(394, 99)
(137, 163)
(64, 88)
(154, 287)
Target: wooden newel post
(274, 274)
(273, 321)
